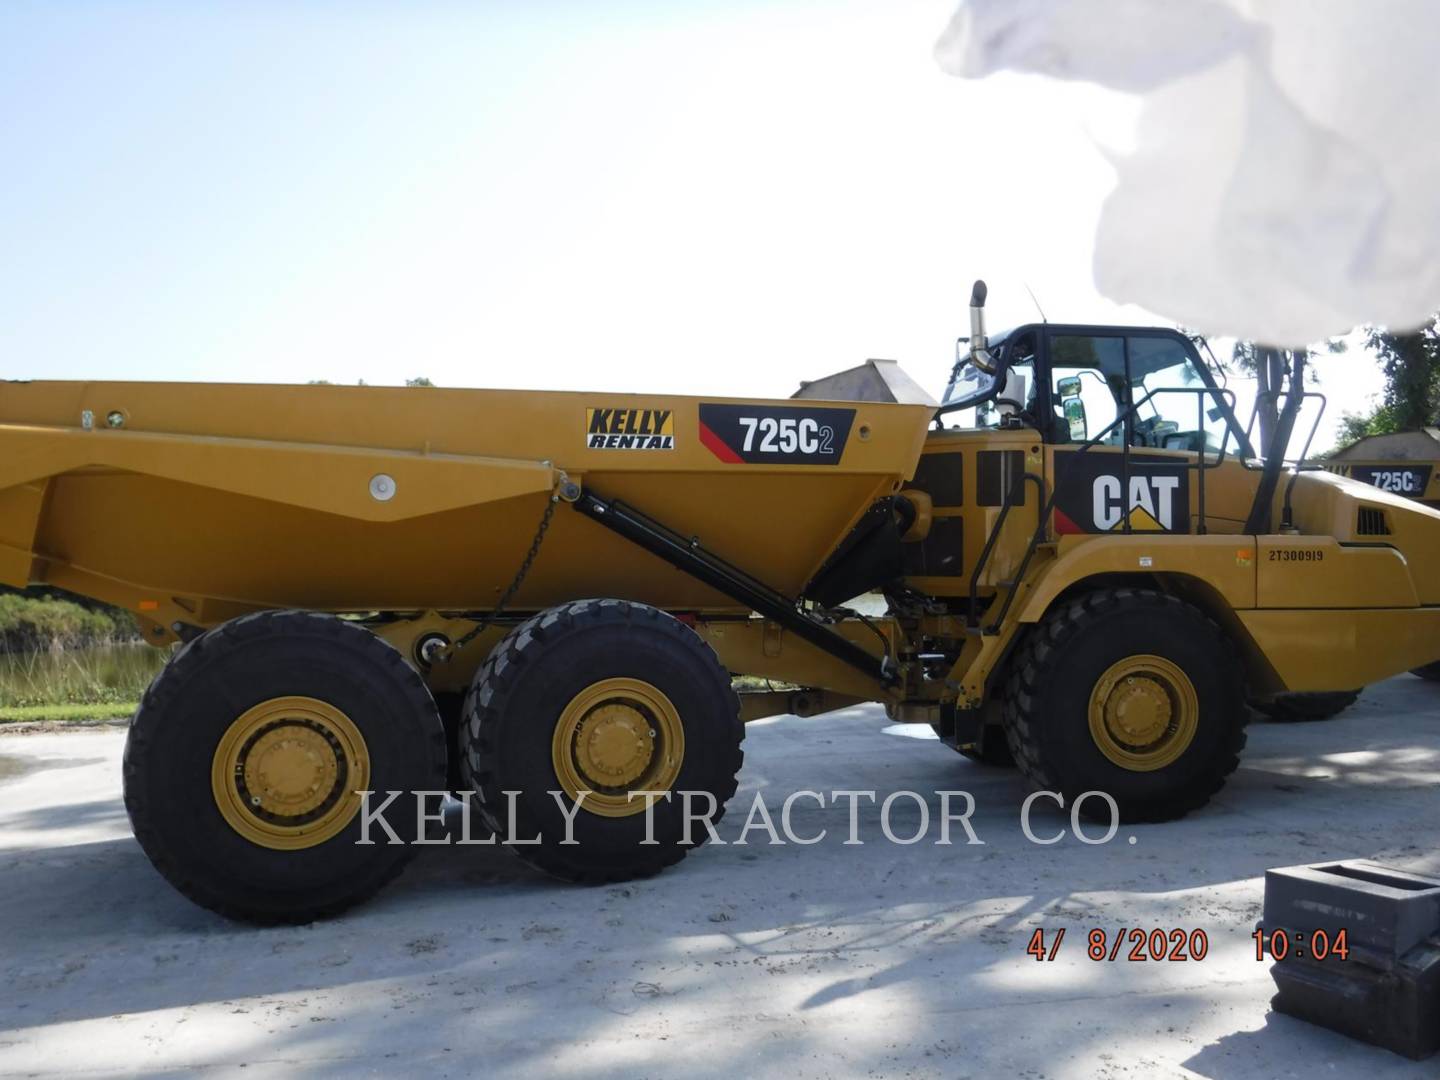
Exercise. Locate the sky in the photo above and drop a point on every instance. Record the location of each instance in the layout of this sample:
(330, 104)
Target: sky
(672, 197)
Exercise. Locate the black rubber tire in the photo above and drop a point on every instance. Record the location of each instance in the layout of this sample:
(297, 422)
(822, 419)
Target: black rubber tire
(210, 683)
(519, 695)
(1430, 672)
(1299, 708)
(993, 749)
(1048, 691)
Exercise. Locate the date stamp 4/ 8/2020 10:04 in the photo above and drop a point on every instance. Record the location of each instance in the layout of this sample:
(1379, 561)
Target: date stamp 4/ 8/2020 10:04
(1180, 945)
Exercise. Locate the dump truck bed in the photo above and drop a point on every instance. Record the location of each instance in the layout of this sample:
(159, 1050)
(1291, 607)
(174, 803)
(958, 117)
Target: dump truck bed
(213, 498)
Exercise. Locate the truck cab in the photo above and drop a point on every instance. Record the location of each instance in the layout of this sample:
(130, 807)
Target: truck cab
(1073, 382)
(1127, 429)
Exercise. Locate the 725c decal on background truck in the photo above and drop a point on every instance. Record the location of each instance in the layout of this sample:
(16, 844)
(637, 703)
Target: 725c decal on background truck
(1409, 480)
(784, 435)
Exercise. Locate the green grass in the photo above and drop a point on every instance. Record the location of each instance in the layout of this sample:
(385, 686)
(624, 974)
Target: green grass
(67, 714)
(29, 622)
(97, 675)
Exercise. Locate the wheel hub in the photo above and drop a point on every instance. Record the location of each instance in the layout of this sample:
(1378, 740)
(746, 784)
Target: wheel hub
(1143, 713)
(1138, 710)
(614, 745)
(616, 736)
(286, 773)
(291, 769)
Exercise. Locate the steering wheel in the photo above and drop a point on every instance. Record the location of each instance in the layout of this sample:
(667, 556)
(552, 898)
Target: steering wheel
(1145, 431)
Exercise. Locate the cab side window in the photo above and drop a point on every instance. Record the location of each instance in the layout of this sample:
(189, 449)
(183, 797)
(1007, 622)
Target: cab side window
(1087, 387)
(1173, 421)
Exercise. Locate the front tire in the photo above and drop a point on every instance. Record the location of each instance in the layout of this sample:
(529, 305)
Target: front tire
(605, 697)
(243, 765)
(1130, 692)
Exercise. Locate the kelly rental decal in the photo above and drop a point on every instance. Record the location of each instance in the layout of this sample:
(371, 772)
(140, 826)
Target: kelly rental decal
(629, 429)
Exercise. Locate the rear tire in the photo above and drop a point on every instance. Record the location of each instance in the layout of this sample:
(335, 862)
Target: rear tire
(604, 696)
(296, 697)
(1430, 672)
(1127, 656)
(1299, 708)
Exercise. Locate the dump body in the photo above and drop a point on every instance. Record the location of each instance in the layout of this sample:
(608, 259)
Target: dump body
(1401, 462)
(196, 502)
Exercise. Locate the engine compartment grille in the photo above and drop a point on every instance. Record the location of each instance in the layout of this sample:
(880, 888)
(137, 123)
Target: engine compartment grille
(1372, 522)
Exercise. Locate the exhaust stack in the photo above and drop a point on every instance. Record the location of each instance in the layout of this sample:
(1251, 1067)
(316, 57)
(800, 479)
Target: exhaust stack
(979, 354)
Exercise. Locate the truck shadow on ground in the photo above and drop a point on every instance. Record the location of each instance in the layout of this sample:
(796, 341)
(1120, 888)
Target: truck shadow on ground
(791, 944)
(1232, 1057)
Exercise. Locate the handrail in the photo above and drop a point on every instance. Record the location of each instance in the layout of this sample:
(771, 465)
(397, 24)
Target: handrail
(1254, 466)
(1286, 512)
(973, 618)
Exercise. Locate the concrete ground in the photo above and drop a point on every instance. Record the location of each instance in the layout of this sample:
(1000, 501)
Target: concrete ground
(799, 961)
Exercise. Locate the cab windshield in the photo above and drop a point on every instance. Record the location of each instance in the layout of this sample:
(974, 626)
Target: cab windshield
(976, 400)
(1087, 382)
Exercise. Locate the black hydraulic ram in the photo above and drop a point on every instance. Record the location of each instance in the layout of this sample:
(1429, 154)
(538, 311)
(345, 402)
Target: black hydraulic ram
(687, 554)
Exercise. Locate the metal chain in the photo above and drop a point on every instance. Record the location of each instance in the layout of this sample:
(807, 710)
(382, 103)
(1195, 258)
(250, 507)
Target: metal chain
(495, 613)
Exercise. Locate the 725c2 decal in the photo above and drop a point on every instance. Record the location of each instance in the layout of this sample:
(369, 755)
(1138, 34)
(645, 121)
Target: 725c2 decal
(783, 434)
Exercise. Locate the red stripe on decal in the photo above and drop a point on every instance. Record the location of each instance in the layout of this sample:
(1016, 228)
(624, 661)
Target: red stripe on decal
(1063, 523)
(716, 446)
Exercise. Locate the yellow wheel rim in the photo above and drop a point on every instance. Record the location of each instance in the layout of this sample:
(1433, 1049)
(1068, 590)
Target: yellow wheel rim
(617, 736)
(287, 772)
(1144, 713)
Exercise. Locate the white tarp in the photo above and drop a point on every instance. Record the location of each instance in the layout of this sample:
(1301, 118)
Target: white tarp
(1285, 180)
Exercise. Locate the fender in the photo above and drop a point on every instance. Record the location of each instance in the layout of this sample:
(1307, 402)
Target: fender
(1226, 563)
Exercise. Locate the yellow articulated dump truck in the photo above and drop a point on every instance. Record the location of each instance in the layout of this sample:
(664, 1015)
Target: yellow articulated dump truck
(542, 600)
(1403, 462)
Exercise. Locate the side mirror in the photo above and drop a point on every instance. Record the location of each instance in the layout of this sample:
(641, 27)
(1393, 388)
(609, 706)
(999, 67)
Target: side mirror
(1075, 415)
(1069, 388)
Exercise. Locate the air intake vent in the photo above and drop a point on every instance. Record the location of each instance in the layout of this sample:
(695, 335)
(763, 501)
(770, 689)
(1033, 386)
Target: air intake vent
(1372, 522)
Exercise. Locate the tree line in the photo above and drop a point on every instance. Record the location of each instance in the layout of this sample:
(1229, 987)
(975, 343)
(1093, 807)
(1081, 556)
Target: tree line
(1410, 362)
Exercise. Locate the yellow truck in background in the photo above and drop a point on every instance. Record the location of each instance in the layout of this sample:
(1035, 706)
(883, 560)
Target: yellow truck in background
(1402, 463)
(1405, 463)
